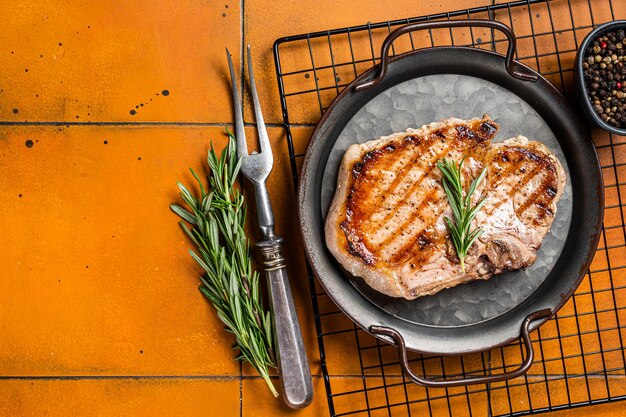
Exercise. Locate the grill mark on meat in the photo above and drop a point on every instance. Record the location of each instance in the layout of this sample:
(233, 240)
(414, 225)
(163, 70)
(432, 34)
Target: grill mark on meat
(541, 191)
(514, 188)
(486, 129)
(372, 156)
(362, 218)
(438, 209)
(510, 168)
(523, 156)
(391, 205)
(399, 230)
(355, 242)
(402, 171)
(484, 132)
(413, 208)
(439, 205)
(530, 200)
(416, 249)
(506, 157)
(360, 210)
(409, 193)
(392, 211)
(542, 165)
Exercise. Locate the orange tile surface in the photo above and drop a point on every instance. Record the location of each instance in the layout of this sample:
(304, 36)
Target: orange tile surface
(120, 397)
(103, 108)
(98, 61)
(97, 279)
(259, 402)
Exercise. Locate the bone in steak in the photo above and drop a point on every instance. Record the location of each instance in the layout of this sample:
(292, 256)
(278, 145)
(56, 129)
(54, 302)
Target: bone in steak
(386, 221)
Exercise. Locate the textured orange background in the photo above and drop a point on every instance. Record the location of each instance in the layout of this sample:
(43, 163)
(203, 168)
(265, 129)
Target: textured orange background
(99, 308)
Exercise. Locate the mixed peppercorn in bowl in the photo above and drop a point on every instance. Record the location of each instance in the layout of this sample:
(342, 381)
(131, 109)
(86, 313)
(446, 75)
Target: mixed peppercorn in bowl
(601, 76)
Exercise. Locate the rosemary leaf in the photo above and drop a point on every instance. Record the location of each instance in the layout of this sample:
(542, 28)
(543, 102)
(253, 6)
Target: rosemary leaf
(184, 214)
(461, 234)
(217, 218)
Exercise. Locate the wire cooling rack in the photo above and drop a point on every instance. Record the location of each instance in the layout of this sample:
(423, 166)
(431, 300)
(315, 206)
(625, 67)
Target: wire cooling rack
(580, 353)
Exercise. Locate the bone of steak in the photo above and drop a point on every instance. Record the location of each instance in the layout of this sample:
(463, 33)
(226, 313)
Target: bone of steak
(386, 221)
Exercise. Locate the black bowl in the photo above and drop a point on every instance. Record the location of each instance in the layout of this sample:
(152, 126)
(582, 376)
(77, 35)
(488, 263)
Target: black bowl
(581, 90)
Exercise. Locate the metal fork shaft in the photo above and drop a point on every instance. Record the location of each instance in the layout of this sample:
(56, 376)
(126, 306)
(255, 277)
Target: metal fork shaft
(293, 365)
(264, 210)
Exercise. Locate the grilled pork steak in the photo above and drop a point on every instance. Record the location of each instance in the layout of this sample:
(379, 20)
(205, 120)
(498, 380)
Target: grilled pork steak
(386, 221)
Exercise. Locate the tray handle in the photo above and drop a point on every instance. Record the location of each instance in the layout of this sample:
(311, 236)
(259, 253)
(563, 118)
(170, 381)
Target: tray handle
(443, 383)
(513, 67)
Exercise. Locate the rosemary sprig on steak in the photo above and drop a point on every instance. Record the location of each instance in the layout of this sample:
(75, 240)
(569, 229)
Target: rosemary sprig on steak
(460, 201)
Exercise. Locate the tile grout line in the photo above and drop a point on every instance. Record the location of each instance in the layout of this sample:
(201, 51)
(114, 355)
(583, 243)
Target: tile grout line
(107, 123)
(138, 377)
(142, 124)
(133, 377)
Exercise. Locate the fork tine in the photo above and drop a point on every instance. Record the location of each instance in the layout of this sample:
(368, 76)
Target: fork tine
(263, 139)
(240, 135)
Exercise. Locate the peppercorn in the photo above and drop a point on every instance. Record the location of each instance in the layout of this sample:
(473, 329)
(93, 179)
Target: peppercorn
(604, 76)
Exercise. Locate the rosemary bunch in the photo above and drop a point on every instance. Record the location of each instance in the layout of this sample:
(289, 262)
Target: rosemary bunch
(460, 230)
(217, 218)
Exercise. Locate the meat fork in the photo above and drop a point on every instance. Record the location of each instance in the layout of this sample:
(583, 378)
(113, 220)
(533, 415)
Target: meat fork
(292, 363)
